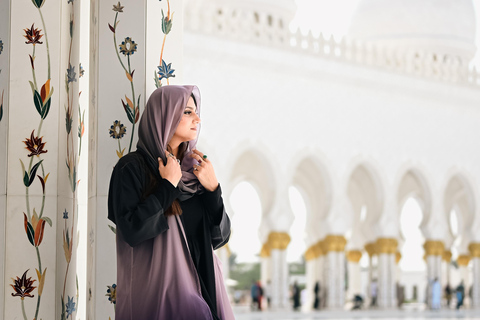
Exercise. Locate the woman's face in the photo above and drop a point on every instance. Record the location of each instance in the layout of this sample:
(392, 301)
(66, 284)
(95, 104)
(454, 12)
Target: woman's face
(188, 126)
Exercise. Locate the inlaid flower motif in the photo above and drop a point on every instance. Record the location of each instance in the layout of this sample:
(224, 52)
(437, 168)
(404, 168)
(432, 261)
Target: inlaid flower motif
(112, 293)
(33, 35)
(65, 214)
(71, 75)
(128, 47)
(118, 7)
(1, 46)
(70, 306)
(35, 145)
(23, 286)
(117, 130)
(82, 71)
(38, 3)
(165, 71)
(70, 1)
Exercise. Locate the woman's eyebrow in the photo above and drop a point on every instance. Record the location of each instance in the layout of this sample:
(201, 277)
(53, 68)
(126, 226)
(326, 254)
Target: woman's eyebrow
(188, 107)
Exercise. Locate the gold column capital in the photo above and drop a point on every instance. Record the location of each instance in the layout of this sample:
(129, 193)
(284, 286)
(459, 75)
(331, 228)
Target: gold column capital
(333, 243)
(386, 245)
(463, 260)
(310, 254)
(318, 249)
(371, 248)
(278, 240)
(447, 256)
(434, 248)
(354, 256)
(265, 252)
(398, 257)
(474, 249)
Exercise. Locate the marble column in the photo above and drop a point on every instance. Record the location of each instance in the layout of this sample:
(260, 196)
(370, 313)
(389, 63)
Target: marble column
(354, 274)
(386, 249)
(311, 275)
(463, 260)
(135, 46)
(474, 249)
(446, 259)
(224, 255)
(371, 251)
(266, 266)
(333, 247)
(39, 50)
(278, 242)
(434, 251)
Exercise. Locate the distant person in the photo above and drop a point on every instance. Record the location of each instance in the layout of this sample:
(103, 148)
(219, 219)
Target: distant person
(255, 292)
(296, 296)
(400, 295)
(373, 293)
(436, 294)
(260, 296)
(448, 294)
(316, 291)
(460, 294)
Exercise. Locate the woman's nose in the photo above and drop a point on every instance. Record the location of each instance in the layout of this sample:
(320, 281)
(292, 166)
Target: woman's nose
(197, 118)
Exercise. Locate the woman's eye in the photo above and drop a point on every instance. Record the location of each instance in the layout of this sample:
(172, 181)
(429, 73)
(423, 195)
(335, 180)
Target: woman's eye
(188, 112)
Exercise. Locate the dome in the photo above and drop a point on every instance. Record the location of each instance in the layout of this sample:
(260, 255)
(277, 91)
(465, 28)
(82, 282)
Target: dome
(442, 27)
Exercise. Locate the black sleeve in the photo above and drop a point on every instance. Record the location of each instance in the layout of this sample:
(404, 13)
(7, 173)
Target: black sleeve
(217, 216)
(138, 221)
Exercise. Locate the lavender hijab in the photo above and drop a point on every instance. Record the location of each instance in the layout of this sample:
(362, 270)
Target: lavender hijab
(158, 124)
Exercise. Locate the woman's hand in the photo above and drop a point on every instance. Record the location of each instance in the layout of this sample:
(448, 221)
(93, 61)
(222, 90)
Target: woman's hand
(204, 171)
(171, 171)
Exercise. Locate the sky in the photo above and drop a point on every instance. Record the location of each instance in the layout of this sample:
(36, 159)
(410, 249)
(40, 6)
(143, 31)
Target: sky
(331, 17)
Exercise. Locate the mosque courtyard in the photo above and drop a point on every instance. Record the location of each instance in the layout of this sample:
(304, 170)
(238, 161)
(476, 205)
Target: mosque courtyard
(244, 314)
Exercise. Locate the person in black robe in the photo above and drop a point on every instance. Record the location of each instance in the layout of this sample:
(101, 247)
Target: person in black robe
(167, 205)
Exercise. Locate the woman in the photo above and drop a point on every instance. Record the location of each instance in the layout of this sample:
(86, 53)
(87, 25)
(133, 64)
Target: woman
(166, 203)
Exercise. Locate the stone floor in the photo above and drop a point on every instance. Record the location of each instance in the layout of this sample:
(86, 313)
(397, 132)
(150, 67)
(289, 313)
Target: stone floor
(243, 313)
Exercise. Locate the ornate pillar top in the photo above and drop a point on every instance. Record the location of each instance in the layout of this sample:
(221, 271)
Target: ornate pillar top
(434, 248)
(265, 252)
(398, 257)
(447, 256)
(354, 256)
(474, 249)
(371, 248)
(310, 254)
(463, 260)
(278, 240)
(333, 243)
(386, 245)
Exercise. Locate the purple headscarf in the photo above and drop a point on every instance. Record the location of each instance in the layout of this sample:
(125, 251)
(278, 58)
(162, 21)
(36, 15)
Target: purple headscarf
(158, 124)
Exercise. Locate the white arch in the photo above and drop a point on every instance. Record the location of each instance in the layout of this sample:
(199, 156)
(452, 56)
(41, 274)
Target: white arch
(365, 188)
(459, 194)
(412, 181)
(310, 175)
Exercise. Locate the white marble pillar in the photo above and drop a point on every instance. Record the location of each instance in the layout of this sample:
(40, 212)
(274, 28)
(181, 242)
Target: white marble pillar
(434, 251)
(278, 242)
(371, 251)
(446, 258)
(311, 277)
(474, 249)
(39, 49)
(386, 249)
(224, 255)
(463, 261)
(333, 247)
(265, 265)
(354, 274)
(126, 36)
